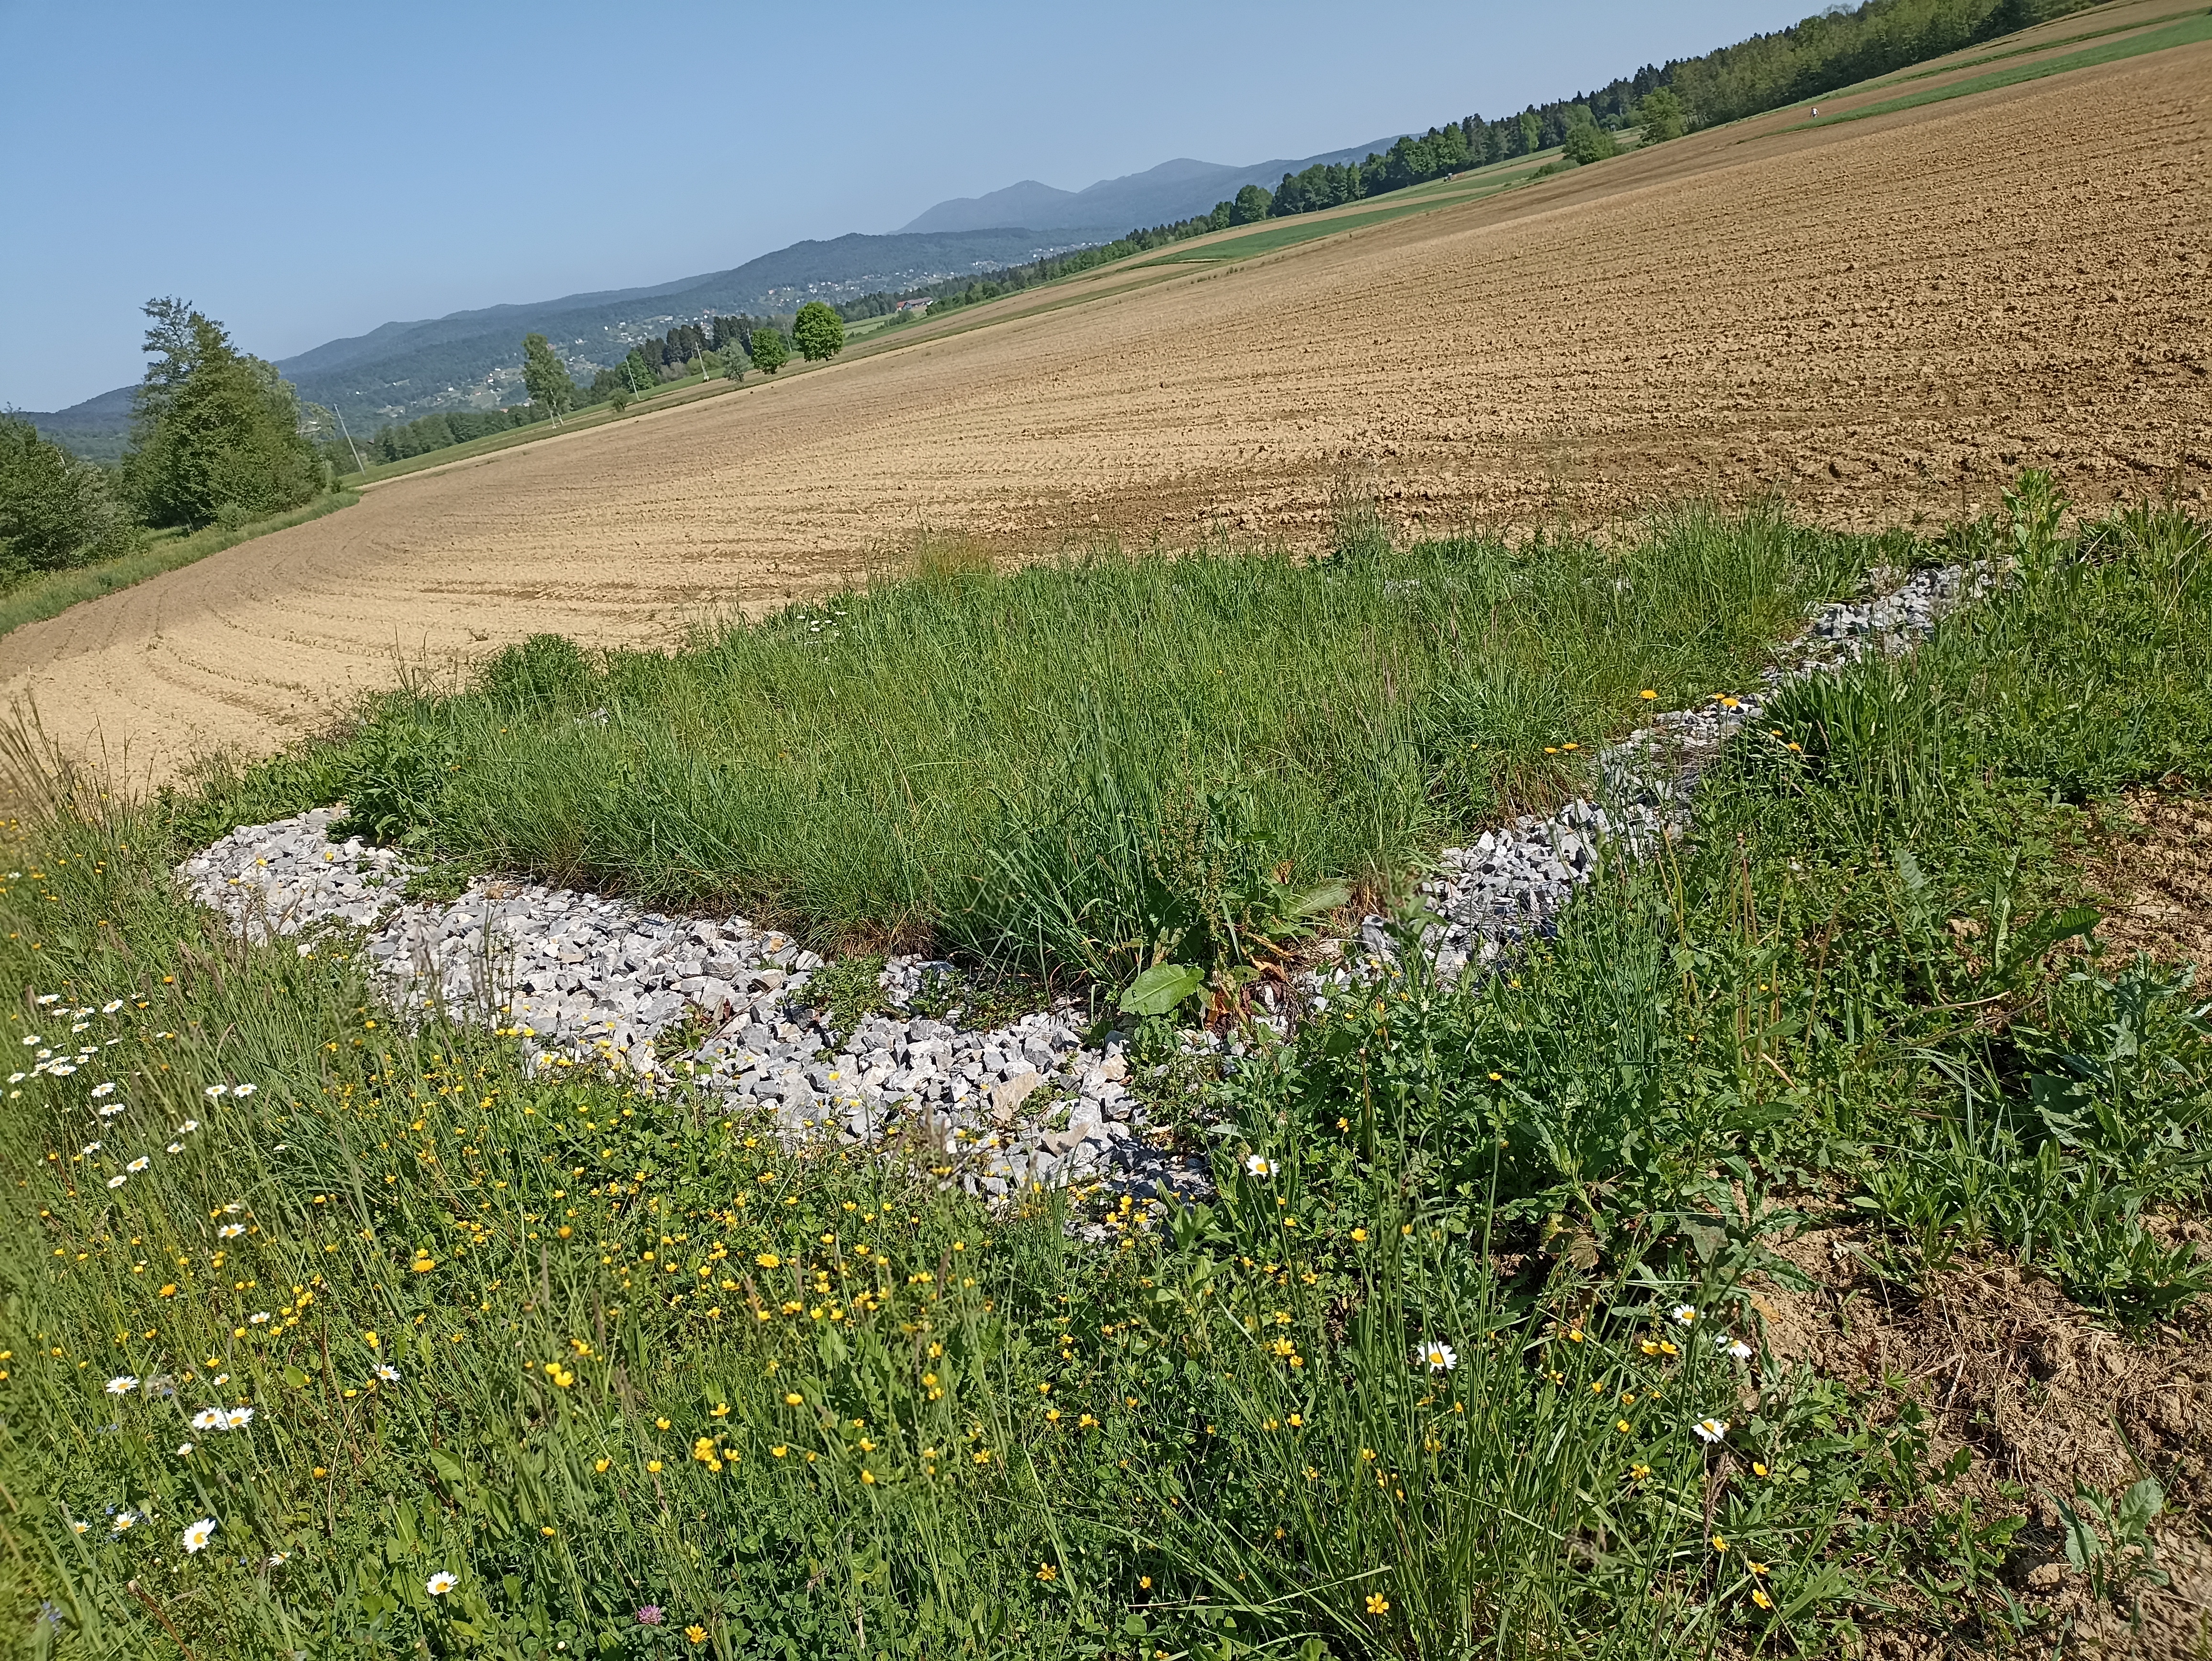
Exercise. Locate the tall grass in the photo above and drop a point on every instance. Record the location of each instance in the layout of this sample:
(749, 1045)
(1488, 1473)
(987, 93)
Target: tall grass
(1081, 767)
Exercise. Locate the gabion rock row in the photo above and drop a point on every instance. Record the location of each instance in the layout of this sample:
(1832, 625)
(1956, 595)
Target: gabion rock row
(722, 1006)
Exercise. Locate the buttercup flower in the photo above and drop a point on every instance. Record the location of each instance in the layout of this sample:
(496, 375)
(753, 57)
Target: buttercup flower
(441, 1583)
(196, 1536)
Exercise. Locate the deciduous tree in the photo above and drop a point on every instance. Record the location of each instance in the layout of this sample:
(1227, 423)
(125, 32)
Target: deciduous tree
(547, 377)
(215, 433)
(818, 331)
(770, 350)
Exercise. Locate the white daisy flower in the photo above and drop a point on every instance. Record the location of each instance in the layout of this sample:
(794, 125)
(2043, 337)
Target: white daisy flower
(88, 1149)
(1711, 1430)
(122, 1384)
(1258, 1166)
(277, 1557)
(208, 1419)
(79, 1026)
(117, 1180)
(222, 1378)
(183, 1448)
(259, 1318)
(31, 1038)
(45, 998)
(235, 1207)
(78, 1527)
(1437, 1356)
(216, 1089)
(196, 1536)
(17, 1078)
(107, 1089)
(387, 1372)
(111, 1006)
(62, 1069)
(237, 1417)
(110, 1110)
(441, 1583)
(188, 1127)
(1684, 1315)
(244, 1089)
(1733, 1346)
(138, 1165)
(174, 1147)
(230, 1231)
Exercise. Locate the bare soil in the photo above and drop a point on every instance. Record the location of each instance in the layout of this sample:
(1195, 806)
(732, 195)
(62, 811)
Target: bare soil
(1878, 320)
(2044, 1398)
(2157, 869)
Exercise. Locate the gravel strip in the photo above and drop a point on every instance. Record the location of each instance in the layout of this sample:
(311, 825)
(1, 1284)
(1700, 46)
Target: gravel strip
(585, 980)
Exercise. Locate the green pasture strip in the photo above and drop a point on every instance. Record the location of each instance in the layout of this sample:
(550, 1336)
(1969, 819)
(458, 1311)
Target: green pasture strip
(1305, 228)
(2189, 32)
(56, 592)
(333, 1332)
(2012, 51)
(1078, 766)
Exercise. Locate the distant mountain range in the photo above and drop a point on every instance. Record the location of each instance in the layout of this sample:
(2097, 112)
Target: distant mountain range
(1174, 190)
(472, 360)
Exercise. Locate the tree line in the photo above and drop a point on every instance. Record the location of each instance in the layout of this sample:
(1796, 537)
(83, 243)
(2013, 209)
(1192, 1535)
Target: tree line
(727, 347)
(217, 437)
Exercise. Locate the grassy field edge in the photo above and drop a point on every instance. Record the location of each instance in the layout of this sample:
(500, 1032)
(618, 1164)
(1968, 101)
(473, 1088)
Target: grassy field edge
(49, 595)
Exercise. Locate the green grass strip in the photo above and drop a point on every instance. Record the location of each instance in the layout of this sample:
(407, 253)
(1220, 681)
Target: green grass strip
(1305, 228)
(2188, 33)
(52, 594)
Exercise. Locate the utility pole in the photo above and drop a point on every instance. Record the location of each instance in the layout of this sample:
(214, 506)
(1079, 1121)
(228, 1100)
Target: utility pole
(358, 465)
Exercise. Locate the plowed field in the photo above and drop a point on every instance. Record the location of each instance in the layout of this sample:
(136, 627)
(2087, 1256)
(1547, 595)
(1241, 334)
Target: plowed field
(1881, 318)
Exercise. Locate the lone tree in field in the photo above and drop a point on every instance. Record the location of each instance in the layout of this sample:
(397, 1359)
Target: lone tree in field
(1661, 117)
(769, 350)
(818, 331)
(214, 434)
(547, 377)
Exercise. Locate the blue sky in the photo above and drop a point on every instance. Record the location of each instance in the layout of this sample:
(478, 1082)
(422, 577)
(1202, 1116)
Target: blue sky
(307, 171)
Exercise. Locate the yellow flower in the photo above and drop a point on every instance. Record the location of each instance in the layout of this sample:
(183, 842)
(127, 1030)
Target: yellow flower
(547, 1532)
(696, 1634)
(1757, 1469)
(1647, 695)
(600, 1466)
(1048, 1574)
(1143, 1583)
(1358, 1236)
(660, 1424)
(1756, 1568)
(1378, 1604)
(652, 1465)
(1761, 1598)
(793, 1399)
(1623, 1426)
(769, 1260)
(868, 1477)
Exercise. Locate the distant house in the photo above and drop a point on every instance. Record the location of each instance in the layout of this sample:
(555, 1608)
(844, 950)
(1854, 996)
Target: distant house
(921, 305)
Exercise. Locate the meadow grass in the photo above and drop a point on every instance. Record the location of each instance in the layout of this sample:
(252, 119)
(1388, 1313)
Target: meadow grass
(51, 594)
(1082, 768)
(1425, 1379)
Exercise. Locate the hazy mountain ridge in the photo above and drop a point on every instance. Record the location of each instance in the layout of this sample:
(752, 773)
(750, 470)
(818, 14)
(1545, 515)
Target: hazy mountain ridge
(472, 359)
(1175, 190)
